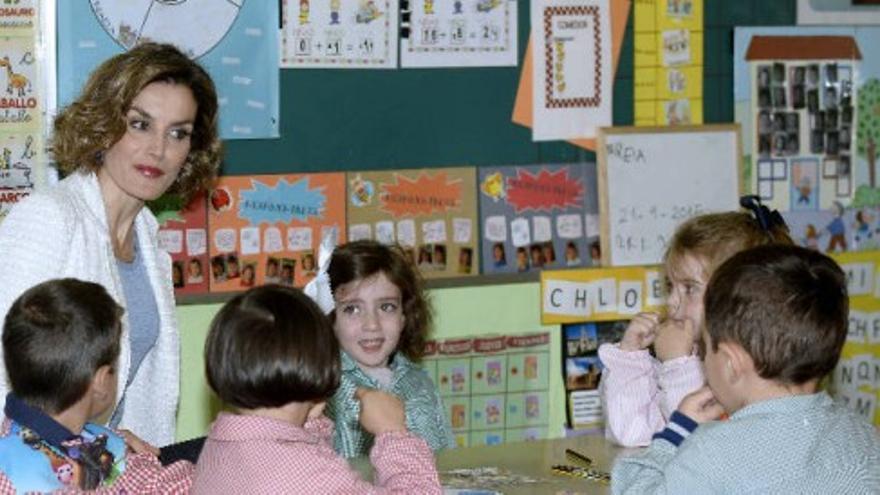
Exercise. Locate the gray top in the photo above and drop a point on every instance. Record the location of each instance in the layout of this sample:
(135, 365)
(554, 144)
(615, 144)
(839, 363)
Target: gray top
(800, 444)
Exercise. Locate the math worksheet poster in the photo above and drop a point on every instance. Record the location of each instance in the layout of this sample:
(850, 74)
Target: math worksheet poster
(236, 41)
(459, 34)
(267, 228)
(183, 233)
(354, 34)
(538, 217)
(668, 62)
(431, 213)
(573, 72)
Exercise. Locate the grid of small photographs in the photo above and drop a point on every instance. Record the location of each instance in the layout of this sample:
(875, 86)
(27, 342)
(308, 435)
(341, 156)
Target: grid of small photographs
(821, 95)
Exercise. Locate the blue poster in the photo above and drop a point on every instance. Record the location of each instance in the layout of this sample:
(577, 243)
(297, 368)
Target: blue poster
(235, 40)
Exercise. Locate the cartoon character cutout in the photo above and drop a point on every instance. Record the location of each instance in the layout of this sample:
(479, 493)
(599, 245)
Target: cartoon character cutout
(493, 186)
(303, 12)
(487, 5)
(362, 191)
(837, 229)
(367, 12)
(17, 84)
(334, 11)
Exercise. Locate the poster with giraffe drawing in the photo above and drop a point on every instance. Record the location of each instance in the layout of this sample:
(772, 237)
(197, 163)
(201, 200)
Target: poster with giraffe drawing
(20, 105)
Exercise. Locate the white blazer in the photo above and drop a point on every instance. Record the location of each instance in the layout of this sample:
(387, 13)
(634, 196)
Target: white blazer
(62, 232)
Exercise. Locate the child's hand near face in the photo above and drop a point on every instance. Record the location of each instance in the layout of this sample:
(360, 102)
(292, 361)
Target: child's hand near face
(675, 338)
(381, 412)
(701, 405)
(641, 332)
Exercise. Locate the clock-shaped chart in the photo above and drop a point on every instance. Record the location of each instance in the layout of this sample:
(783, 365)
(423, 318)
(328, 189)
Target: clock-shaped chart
(195, 26)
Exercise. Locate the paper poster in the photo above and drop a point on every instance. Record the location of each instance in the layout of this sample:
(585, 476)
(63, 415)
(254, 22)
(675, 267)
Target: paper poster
(183, 231)
(542, 207)
(855, 381)
(523, 107)
(668, 62)
(804, 96)
(20, 155)
(837, 12)
(21, 103)
(356, 34)
(573, 73)
(18, 15)
(267, 228)
(494, 387)
(434, 212)
(236, 41)
(459, 34)
(583, 369)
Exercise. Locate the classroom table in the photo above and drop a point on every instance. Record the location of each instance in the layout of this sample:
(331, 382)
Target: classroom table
(533, 460)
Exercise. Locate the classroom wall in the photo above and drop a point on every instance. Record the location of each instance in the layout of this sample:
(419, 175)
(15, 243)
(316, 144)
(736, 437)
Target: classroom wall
(508, 309)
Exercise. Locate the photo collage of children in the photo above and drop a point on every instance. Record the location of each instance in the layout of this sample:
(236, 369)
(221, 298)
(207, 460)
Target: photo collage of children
(825, 90)
(267, 229)
(432, 214)
(538, 217)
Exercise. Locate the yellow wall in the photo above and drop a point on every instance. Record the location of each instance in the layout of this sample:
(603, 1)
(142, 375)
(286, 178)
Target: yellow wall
(507, 309)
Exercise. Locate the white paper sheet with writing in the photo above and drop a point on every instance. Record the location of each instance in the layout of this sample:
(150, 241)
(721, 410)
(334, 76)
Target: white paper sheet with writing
(573, 72)
(353, 34)
(455, 33)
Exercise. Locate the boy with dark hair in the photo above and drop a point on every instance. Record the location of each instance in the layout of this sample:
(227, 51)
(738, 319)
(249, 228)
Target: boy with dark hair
(271, 354)
(61, 341)
(775, 322)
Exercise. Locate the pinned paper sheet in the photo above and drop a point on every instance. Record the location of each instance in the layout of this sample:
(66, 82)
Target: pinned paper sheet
(573, 71)
(523, 113)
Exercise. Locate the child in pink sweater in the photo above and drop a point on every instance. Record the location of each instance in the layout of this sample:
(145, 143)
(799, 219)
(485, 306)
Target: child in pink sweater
(639, 390)
(271, 354)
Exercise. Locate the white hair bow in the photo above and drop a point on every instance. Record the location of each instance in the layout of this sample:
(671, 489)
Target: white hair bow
(319, 288)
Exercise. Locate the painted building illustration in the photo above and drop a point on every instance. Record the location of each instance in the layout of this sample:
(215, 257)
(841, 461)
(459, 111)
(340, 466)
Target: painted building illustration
(803, 116)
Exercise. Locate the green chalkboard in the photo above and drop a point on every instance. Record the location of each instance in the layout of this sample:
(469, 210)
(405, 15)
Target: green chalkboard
(334, 120)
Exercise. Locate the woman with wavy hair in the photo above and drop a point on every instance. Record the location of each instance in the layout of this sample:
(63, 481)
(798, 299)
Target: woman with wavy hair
(144, 125)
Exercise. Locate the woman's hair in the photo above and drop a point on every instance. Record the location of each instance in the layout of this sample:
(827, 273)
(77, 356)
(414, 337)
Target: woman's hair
(715, 237)
(95, 121)
(359, 260)
(269, 347)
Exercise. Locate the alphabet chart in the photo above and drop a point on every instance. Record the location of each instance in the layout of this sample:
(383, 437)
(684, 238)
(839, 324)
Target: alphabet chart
(458, 33)
(538, 217)
(267, 228)
(668, 62)
(431, 213)
(573, 74)
(359, 34)
(856, 380)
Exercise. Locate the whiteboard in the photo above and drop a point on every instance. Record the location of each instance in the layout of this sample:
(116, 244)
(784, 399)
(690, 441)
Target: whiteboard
(651, 179)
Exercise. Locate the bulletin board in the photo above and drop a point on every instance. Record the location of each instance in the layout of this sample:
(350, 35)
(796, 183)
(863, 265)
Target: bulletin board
(348, 120)
(653, 179)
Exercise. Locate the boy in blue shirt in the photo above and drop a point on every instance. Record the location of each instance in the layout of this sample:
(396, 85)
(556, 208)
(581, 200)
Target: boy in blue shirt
(61, 341)
(775, 322)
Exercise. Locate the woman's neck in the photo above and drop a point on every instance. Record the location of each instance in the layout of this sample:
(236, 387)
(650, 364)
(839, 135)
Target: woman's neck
(121, 210)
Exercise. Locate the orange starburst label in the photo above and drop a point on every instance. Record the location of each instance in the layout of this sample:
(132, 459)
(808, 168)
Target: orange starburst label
(426, 195)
